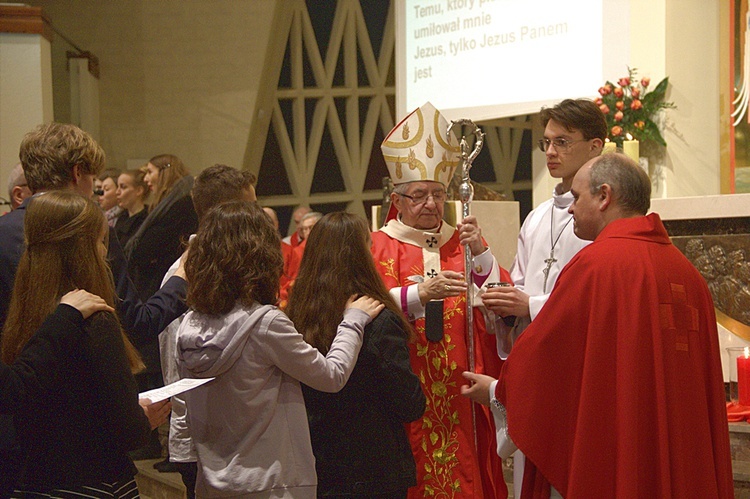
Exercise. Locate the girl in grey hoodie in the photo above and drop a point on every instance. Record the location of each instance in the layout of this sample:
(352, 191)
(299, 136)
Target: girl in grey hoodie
(249, 425)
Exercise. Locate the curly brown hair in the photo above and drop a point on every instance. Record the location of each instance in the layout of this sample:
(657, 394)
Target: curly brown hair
(234, 257)
(337, 264)
(63, 232)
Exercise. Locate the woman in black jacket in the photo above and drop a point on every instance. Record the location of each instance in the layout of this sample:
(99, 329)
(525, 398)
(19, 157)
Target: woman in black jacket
(132, 190)
(358, 434)
(171, 220)
(150, 252)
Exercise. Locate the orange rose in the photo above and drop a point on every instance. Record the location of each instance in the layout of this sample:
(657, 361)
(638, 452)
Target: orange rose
(640, 124)
(620, 105)
(635, 92)
(645, 81)
(636, 105)
(605, 90)
(598, 101)
(616, 130)
(604, 108)
(619, 116)
(618, 92)
(624, 82)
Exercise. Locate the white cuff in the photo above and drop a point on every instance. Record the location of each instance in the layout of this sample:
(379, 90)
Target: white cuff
(536, 303)
(411, 306)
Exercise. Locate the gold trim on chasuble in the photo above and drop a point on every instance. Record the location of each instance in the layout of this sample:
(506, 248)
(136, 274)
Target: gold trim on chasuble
(440, 419)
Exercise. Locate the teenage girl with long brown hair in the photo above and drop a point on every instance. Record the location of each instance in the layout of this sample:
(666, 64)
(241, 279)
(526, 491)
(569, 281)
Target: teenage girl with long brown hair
(358, 434)
(76, 439)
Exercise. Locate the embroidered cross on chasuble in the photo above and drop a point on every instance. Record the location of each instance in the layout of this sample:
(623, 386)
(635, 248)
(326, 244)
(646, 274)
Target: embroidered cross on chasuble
(679, 316)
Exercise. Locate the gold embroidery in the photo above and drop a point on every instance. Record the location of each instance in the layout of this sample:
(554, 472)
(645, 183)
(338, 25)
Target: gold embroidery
(417, 270)
(405, 132)
(389, 270)
(445, 165)
(411, 160)
(430, 147)
(441, 139)
(440, 444)
(414, 140)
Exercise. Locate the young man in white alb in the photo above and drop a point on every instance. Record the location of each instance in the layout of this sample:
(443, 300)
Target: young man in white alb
(574, 132)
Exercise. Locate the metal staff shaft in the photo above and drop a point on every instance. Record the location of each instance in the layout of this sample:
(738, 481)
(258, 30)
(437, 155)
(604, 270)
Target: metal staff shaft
(466, 192)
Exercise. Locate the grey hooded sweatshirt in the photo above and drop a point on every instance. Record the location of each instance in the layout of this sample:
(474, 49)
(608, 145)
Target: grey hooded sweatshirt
(249, 425)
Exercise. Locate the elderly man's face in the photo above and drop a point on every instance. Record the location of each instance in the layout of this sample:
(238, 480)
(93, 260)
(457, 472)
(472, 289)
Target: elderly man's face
(422, 205)
(305, 227)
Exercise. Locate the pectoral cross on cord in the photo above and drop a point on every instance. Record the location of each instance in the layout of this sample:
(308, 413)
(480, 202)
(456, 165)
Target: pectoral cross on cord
(549, 261)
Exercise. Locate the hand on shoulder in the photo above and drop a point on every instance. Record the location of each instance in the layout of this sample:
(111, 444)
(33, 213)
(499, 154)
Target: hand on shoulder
(370, 306)
(85, 302)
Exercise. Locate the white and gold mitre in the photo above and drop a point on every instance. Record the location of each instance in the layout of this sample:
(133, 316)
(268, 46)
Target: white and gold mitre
(417, 148)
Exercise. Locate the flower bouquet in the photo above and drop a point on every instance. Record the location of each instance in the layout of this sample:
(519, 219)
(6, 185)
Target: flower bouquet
(630, 108)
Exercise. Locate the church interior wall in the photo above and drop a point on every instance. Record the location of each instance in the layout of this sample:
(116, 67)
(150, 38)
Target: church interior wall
(177, 77)
(183, 78)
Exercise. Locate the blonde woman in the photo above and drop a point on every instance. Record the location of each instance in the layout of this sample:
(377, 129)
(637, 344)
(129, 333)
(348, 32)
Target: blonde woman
(132, 190)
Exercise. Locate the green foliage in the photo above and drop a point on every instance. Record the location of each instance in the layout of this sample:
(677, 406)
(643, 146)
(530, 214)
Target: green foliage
(630, 108)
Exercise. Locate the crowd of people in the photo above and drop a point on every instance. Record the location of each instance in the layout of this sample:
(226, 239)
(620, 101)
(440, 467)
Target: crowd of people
(339, 360)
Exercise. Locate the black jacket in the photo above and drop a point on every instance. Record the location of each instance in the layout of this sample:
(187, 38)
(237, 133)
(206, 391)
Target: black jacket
(160, 244)
(81, 430)
(152, 250)
(141, 320)
(358, 435)
(126, 225)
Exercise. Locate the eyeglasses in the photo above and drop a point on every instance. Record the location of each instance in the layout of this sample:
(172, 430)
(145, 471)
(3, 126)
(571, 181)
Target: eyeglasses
(559, 143)
(422, 197)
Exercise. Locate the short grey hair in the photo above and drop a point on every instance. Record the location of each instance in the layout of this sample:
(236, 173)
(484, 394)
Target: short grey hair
(630, 185)
(313, 214)
(401, 188)
(16, 178)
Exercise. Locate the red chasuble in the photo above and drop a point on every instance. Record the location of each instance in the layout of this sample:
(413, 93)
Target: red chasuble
(448, 463)
(289, 274)
(616, 389)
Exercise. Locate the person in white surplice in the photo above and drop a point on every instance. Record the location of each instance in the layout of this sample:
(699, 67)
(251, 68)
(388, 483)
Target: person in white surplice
(574, 132)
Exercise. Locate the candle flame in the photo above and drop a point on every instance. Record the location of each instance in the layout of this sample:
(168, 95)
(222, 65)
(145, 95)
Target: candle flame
(747, 352)
(630, 137)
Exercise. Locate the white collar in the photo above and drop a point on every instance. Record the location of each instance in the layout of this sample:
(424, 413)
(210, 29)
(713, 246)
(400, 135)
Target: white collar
(417, 237)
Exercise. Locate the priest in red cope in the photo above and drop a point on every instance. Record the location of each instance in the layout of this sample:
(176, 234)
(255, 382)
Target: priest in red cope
(616, 389)
(421, 260)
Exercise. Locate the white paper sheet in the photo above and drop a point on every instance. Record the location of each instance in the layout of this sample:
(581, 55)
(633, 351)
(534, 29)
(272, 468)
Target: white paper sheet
(183, 385)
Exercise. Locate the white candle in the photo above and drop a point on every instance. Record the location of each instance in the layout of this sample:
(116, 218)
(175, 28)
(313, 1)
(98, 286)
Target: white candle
(631, 148)
(609, 147)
